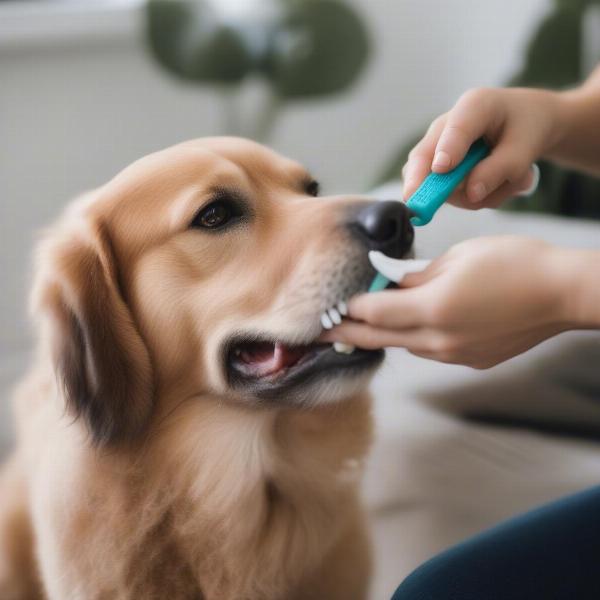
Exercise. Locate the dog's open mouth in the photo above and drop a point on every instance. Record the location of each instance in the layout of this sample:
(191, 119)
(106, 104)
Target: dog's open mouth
(271, 359)
(267, 366)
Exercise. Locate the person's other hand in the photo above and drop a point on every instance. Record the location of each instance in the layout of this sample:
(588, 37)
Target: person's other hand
(484, 301)
(519, 124)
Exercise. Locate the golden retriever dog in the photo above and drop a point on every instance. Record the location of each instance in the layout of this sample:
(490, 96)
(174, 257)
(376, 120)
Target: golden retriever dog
(182, 433)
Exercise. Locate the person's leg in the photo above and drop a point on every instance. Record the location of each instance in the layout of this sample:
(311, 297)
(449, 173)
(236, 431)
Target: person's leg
(550, 553)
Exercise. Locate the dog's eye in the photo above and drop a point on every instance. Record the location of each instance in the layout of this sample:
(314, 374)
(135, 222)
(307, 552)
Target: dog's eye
(312, 188)
(216, 215)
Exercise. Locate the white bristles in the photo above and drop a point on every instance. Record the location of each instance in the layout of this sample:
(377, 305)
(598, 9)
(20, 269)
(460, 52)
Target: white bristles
(342, 348)
(335, 316)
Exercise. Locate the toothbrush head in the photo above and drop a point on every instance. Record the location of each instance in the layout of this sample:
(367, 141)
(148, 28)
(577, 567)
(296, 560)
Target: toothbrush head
(392, 269)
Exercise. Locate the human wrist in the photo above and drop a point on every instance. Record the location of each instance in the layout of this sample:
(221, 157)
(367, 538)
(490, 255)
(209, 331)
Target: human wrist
(561, 108)
(572, 115)
(577, 287)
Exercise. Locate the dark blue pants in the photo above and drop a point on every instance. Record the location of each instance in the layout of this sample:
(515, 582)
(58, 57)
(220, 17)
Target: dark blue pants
(550, 553)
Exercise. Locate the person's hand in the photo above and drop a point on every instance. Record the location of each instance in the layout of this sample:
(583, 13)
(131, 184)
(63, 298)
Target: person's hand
(484, 301)
(520, 124)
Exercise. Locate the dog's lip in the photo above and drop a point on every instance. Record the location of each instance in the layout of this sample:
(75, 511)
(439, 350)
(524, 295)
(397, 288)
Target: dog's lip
(317, 358)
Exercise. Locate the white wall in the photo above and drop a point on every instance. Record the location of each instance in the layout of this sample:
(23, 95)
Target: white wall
(74, 113)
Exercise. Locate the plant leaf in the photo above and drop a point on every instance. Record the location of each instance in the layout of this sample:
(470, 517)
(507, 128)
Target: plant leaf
(188, 40)
(319, 47)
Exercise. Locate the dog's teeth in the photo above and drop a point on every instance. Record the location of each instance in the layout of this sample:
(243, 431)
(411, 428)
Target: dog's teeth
(334, 315)
(342, 348)
(326, 321)
(342, 308)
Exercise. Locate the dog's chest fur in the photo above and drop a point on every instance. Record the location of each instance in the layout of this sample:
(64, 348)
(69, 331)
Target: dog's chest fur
(219, 504)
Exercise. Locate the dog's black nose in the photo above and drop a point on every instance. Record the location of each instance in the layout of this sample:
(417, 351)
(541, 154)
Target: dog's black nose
(385, 226)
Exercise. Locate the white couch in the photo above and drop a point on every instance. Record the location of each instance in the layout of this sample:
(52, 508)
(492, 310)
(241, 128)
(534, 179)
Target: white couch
(438, 473)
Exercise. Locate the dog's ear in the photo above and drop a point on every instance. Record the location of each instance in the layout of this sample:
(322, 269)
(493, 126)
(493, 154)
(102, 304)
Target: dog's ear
(99, 357)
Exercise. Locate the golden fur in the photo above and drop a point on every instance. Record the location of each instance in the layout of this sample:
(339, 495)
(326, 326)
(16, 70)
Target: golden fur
(139, 473)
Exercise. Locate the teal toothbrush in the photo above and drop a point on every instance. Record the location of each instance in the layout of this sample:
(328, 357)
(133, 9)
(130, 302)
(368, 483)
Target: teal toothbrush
(433, 192)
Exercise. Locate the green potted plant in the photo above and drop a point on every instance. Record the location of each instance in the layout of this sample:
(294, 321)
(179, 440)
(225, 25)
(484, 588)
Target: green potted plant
(300, 49)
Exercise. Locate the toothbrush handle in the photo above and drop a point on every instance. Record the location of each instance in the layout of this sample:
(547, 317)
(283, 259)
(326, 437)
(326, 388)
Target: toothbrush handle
(438, 187)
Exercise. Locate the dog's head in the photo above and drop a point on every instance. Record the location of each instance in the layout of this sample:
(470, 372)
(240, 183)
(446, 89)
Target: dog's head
(206, 269)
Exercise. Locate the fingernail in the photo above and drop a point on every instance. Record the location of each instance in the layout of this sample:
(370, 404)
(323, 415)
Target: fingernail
(441, 160)
(478, 192)
(534, 180)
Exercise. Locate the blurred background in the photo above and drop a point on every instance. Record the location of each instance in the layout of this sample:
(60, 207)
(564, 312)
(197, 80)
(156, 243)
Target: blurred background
(82, 95)
(343, 86)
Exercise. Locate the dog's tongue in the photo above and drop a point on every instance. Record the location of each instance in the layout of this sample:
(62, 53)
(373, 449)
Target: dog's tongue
(265, 358)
